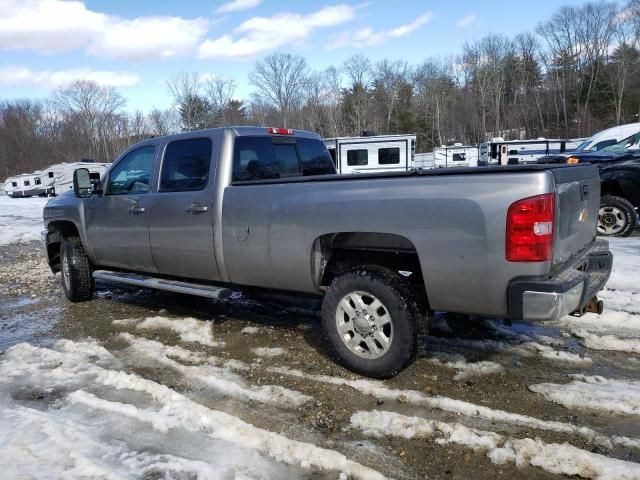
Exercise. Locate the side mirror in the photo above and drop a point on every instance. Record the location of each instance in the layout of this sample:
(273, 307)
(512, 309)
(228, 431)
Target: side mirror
(82, 186)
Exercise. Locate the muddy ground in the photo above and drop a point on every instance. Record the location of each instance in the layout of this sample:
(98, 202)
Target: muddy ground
(33, 309)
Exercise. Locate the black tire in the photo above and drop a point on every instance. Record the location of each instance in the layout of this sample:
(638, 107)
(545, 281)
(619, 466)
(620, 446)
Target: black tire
(408, 323)
(75, 268)
(616, 216)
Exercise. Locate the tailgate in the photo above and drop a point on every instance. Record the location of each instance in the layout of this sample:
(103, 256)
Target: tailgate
(578, 201)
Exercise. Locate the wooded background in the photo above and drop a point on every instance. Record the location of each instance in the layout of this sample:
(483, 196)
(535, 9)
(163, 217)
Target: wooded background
(577, 73)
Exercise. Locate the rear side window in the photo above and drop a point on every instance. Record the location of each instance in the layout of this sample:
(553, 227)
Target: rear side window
(265, 158)
(315, 159)
(388, 156)
(357, 158)
(186, 165)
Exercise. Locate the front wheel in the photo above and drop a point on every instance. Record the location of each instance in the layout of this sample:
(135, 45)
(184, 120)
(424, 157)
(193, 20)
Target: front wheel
(75, 268)
(373, 321)
(616, 216)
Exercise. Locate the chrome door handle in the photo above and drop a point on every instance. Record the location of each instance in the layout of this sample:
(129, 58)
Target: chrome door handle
(196, 208)
(135, 209)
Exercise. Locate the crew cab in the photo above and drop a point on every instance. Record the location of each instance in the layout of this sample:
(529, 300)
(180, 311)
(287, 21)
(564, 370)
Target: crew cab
(619, 166)
(204, 212)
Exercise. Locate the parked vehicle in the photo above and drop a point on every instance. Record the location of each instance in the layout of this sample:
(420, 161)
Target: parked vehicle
(619, 166)
(456, 155)
(202, 212)
(63, 182)
(372, 153)
(513, 152)
(25, 185)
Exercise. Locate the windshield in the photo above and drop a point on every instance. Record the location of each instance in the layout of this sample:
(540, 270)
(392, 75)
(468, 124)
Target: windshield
(629, 143)
(583, 145)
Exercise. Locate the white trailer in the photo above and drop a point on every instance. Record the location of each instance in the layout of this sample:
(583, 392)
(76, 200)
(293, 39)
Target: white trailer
(370, 154)
(64, 181)
(423, 160)
(25, 185)
(456, 155)
(513, 152)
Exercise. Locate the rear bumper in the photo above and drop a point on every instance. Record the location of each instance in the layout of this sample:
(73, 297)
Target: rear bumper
(567, 290)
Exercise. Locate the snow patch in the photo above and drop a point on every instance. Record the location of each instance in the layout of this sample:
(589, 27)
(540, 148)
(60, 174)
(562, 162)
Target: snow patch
(88, 431)
(465, 368)
(594, 393)
(20, 219)
(269, 351)
(608, 342)
(189, 329)
(250, 330)
(220, 378)
(554, 458)
(379, 390)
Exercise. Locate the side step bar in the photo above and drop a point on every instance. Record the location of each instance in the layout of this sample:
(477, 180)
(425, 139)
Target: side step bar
(200, 290)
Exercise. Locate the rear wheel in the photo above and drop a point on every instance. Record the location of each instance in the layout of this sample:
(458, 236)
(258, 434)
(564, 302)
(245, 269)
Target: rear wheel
(616, 216)
(75, 268)
(373, 321)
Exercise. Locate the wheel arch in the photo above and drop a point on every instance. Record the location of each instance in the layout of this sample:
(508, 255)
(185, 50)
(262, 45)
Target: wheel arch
(334, 253)
(57, 230)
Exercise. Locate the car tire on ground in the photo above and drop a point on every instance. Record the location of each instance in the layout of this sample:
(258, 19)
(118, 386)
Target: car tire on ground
(374, 322)
(75, 268)
(616, 216)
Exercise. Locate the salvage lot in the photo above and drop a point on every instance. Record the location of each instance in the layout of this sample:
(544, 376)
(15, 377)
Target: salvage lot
(145, 384)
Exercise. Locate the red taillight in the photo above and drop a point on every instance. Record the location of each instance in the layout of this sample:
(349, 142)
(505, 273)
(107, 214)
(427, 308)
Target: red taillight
(280, 131)
(529, 236)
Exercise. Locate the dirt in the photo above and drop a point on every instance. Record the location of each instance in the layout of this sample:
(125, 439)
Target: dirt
(33, 309)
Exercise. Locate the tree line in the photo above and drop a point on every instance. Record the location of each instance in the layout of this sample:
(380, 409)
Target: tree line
(578, 72)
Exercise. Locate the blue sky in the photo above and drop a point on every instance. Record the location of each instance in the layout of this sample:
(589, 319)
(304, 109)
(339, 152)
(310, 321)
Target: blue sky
(136, 45)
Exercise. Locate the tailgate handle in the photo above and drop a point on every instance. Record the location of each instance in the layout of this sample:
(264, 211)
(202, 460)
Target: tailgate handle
(584, 191)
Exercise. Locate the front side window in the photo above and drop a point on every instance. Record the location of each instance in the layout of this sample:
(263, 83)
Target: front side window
(132, 174)
(388, 156)
(186, 165)
(629, 143)
(357, 158)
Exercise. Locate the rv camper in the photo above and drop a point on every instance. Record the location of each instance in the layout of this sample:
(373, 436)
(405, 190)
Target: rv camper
(513, 152)
(457, 155)
(370, 154)
(25, 185)
(64, 182)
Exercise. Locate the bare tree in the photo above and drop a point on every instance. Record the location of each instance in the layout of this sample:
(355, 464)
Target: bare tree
(185, 91)
(280, 79)
(219, 92)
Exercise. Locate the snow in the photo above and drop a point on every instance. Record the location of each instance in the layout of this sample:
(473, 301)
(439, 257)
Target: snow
(465, 368)
(608, 342)
(626, 264)
(220, 378)
(99, 421)
(250, 330)
(269, 352)
(20, 219)
(594, 393)
(554, 458)
(189, 329)
(379, 390)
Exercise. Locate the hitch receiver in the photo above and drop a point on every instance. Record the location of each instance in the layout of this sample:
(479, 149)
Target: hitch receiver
(593, 306)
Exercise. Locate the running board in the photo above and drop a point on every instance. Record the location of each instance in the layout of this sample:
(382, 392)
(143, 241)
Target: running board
(200, 290)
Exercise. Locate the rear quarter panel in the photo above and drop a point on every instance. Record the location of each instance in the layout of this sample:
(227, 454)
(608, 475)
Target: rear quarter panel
(456, 223)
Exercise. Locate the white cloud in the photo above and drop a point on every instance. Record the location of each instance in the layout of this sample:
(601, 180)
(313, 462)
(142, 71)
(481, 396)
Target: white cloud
(149, 37)
(261, 34)
(238, 5)
(51, 26)
(14, 75)
(367, 37)
(466, 20)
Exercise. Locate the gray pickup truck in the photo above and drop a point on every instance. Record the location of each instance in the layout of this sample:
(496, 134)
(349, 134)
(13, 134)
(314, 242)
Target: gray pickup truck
(207, 211)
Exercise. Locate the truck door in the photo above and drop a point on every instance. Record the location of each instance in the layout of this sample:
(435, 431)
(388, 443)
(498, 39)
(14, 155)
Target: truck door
(181, 212)
(117, 220)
